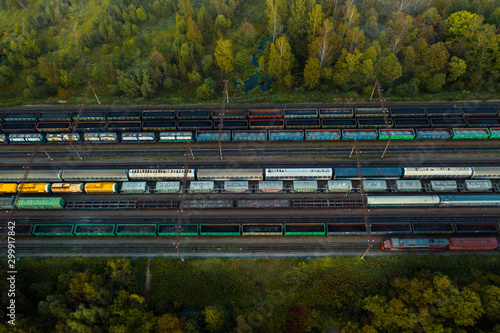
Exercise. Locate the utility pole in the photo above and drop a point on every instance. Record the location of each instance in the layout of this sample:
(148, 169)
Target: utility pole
(181, 202)
(384, 112)
(221, 123)
(363, 200)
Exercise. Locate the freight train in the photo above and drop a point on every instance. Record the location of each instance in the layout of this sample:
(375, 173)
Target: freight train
(454, 244)
(251, 174)
(243, 229)
(255, 135)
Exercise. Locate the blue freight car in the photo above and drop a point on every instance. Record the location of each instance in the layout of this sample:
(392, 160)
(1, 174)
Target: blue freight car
(368, 173)
(469, 200)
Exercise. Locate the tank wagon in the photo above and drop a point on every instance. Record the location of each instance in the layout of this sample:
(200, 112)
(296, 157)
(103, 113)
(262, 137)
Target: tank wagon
(454, 244)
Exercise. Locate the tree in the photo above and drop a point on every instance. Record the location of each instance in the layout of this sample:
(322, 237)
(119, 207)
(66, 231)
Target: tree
(224, 55)
(141, 14)
(389, 69)
(434, 83)
(221, 25)
(272, 15)
(49, 71)
(168, 323)
(463, 307)
(457, 68)
(297, 21)
(322, 48)
(280, 59)
(459, 23)
(490, 298)
(215, 318)
(315, 21)
(193, 34)
(312, 73)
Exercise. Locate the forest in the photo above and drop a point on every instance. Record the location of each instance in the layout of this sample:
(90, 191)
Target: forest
(448, 294)
(180, 51)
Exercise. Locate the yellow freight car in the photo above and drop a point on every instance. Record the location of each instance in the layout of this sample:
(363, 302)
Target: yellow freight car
(8, 188)
(101, 187)
(34, 188)
(67, 187)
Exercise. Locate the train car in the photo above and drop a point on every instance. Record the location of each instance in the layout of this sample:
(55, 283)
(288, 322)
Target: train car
(90, 126)
(158, 125)
(139, 137)
(474, 244)
(93, 230)
(69, 175)
(219, 230)
(286, 135)
(229, 114)
(194, 125)
(469, 200)
(495, 133)
(262, 229)
(158, 114)
(168, 187)
(4, 138)
(323, 134)
(29, 127)
(360, 134)
(485, 173)
(33, 175)
(368, 173)
(471, 133)
(483, 122)
(390, 228)
(339, 186)
(490, 228)
(229, 174)
(160, 174)
(176, 136)
(371, 112)
(305, 229)
(339, 123)
(299, 174)
(60, 127)
(438, 172)
(407, 112)
(193, 114)
(54, 116)
(134, 187)
(201, 187)
(447, 112)
(448, 122)
(101, 188)
(265, 114)
(433, 133)
(231, 124)
(266, 124)
(396, 134)
(300, 113)
(20, 117)
(302, 123)
(213, 136)
(336, 113)
(63, 137)
(403, 201)
(374, 123)
(479, 111)
(476, 185)
(411, 122)
(67, 187)
(39, 203)
(395, 244)
(34, 188)
(86, 116)
(173, 230)
(26, 138)
(7, 188)
(53, 230)
(267, 186)
(137, 230)
(444, 185)
(124, 126)
(104, 137)
(305, 186)
(232, 186)
(250, 135)
(408, 185)
(124, 115)
(374, 185)
(345, 229)
(7, 203)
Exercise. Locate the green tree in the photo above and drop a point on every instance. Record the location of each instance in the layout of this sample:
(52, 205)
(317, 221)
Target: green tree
(215, 318)
(168, 323)
(457, 68)
(316, 18)
(193, 34)
(6, 75)
(224, 55)
(129, 83)
(49, 71)
(221, 25)
(312, 73)
(435, 82)
(459, 23)
(389, 69)
(297, 21)
(141, 14)
(273, 17)
(490, 298)
(463, 307)
(280, 59)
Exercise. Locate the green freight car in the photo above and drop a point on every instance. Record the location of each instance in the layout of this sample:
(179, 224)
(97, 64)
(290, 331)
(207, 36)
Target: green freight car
(305, 229)
(220, 230)
(53, 230)
(95, 230)
(39, 203)
(136, 230)
(171, 230)
(6, 203)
